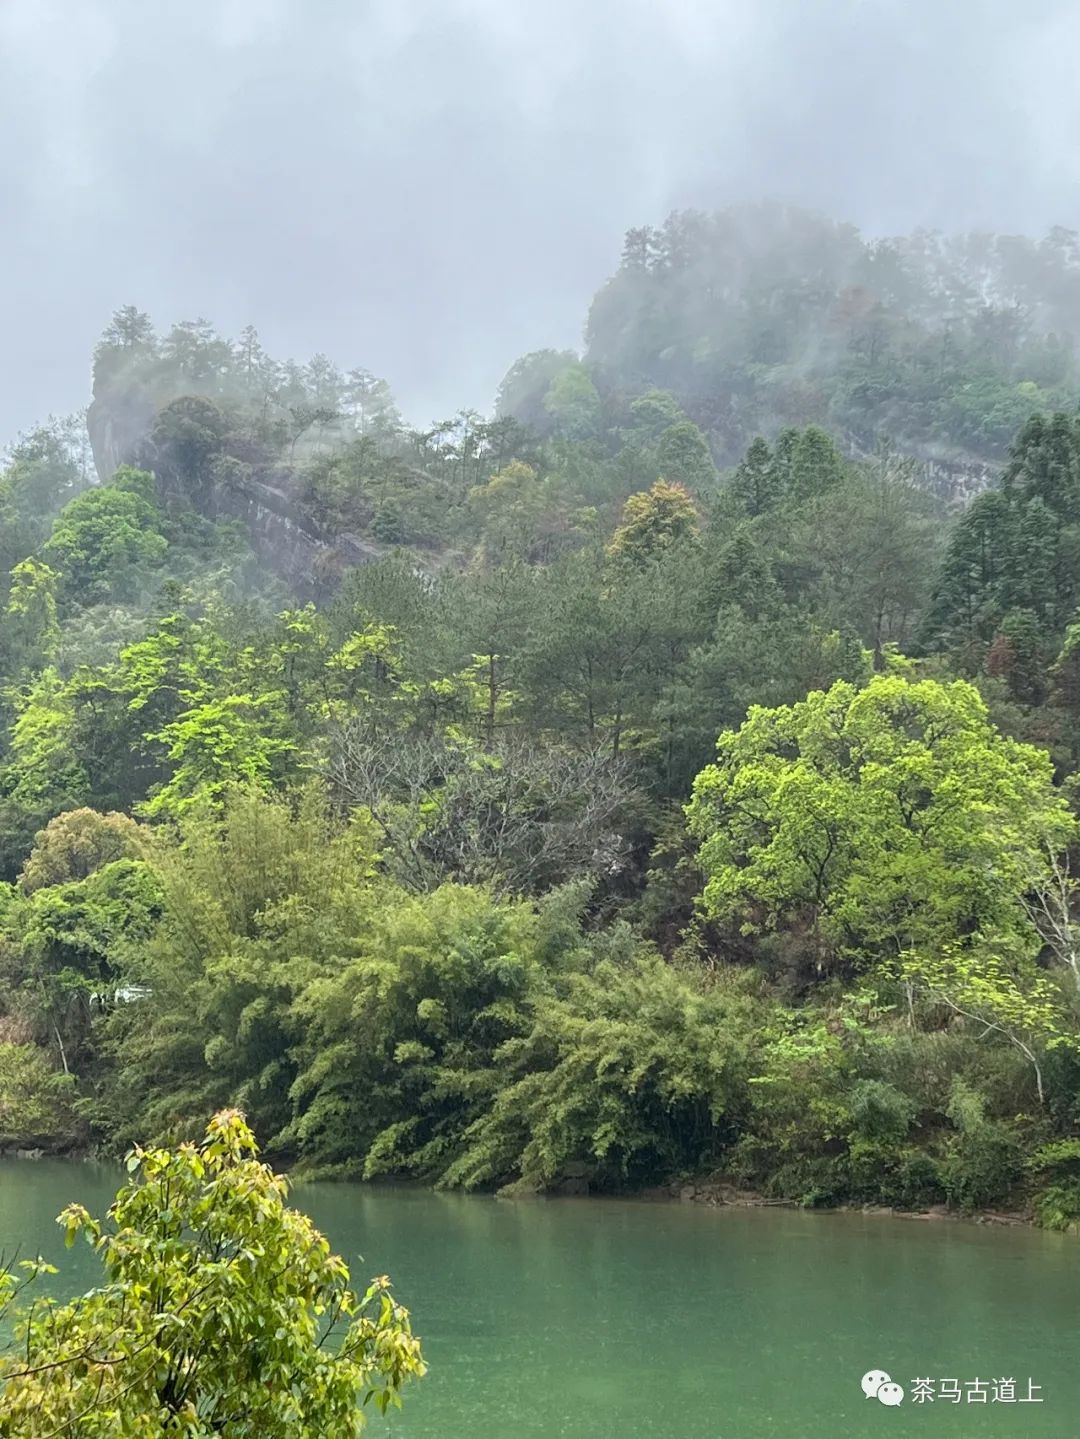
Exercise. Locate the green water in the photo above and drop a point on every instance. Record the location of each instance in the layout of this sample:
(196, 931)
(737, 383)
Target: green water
(620, 1320)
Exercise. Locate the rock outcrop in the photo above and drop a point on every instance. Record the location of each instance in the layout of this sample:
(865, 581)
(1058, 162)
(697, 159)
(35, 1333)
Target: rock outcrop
(309, 561)
(957, 482)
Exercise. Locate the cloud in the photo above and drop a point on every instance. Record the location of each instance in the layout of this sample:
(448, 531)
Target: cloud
(430, 187)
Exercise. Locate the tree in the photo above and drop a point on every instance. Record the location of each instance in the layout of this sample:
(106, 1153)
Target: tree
(572, 402)
(1045, 463)
(864, 549)
(525, 386)
(966, 601)
(654, 413)
(106, 538)
(186, 437)
(1065, 673)
(684, 457)
(521, 818)
(259, 897)
(35, 1104)
(756, 485)
(518, 511)
(237, 739)
(1006, 994)
(1016, 655)
(74, 938)
(46, 469)
(653, 522)
(611, 639)
(130, 328)
(196, 354)
(435, 983)
(75, 844)
(209, 1315)
(31, 630)
(1015, 548)
(127, 338)
(629, 1071)
(41, 775)
(494, 612)
(815, 465)
(303, 417)
(369, 403)
(889, 819)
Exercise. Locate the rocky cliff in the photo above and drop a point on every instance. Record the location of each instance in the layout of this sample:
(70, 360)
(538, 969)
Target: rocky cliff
(308, 561)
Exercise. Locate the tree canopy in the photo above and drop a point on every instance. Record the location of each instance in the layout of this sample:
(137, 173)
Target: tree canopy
(211, 1314)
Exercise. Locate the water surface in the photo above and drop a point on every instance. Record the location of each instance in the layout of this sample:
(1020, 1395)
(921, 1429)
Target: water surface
(608, 1319)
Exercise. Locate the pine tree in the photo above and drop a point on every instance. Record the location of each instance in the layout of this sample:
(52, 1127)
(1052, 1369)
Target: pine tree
(756, 484)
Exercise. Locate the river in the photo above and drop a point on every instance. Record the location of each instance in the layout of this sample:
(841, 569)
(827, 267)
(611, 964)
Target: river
(610, 1319)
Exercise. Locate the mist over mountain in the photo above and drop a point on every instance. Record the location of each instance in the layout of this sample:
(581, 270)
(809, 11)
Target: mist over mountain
(539, 652)
(429, 190)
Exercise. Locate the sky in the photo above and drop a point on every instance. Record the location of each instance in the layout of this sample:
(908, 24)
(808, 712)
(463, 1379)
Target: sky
(430, 188)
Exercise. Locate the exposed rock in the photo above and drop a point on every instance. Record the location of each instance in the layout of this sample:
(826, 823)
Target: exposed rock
(957, 482)
(280, 535)
(117, 424)
(309, 562)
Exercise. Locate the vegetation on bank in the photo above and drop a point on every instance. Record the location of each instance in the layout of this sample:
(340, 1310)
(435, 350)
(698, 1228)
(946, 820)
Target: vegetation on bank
(636, 815)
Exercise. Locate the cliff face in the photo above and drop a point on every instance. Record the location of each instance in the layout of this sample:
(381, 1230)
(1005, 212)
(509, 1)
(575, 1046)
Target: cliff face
(957, 482)
(117, 424)
(121, 421)
(309, 562)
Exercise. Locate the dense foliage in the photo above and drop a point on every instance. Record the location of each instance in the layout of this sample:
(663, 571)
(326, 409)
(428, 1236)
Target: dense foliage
(213, 1316)
(659, 797)
(766, 315)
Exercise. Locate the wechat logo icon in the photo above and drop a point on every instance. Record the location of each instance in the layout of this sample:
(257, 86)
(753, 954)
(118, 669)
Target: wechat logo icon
(876, 1384)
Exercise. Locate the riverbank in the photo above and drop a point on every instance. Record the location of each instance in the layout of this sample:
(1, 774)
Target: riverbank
(712, 1191)
(720, 1193)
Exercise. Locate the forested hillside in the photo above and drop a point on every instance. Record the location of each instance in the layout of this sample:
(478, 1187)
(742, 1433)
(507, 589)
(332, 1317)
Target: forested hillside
(766, 316)
(680, 785)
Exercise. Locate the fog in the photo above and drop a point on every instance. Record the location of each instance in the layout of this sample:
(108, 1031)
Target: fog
(429, 188)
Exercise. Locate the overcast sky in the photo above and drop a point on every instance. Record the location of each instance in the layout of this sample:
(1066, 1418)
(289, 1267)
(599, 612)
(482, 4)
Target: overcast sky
(429, 188)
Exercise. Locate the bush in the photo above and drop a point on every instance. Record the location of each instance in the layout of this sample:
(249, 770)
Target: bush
(1057, 1203)
(75, 844)
(630, 1073)
(916, 1181)
(984, 1159)
(879, 1111)
(35, 1100)
(796, 1140)
(211, 1316)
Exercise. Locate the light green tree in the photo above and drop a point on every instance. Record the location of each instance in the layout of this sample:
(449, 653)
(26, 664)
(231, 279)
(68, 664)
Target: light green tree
(1003, 992)
(105, 538)
(221, 1312)
(31, 630)
(653, 521)
(887, 819)
(237, 739)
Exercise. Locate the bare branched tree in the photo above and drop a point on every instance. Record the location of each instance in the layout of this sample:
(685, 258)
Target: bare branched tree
(1049, 903)
(520, 818)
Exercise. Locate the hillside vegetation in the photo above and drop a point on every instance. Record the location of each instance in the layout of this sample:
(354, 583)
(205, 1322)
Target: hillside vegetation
(685, 789)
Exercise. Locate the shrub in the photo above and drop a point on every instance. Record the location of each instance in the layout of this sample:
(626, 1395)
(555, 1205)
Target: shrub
(211, 1318)
(1057, 1203)
(35, 1100)
(630, 1073)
